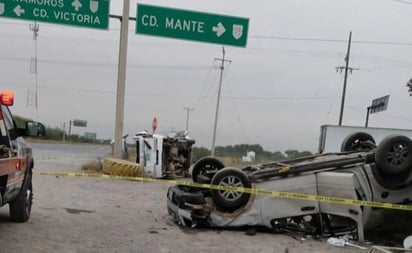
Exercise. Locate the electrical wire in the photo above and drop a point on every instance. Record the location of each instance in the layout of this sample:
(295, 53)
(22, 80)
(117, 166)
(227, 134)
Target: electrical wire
(204, 85)
(304, 39)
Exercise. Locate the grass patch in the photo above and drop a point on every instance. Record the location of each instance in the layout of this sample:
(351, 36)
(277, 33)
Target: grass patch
(389, 227)
(93, 166)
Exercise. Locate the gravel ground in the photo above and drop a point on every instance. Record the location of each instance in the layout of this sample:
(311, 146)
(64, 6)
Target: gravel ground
(100, 215)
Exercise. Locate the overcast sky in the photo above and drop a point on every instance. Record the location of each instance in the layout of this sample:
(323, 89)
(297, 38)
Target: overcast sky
(277, 91)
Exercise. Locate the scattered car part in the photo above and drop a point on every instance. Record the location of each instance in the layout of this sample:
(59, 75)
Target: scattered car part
(407, 243)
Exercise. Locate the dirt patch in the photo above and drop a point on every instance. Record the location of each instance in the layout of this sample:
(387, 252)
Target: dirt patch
(77, 211)
(93, 166)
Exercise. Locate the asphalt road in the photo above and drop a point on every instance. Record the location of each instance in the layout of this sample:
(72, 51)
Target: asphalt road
(104, 215)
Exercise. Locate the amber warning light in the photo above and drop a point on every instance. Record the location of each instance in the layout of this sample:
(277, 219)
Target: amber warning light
(7, 98)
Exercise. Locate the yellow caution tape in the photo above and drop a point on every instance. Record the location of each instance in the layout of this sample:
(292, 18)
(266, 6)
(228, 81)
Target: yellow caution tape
(279, 194)
(284, 170)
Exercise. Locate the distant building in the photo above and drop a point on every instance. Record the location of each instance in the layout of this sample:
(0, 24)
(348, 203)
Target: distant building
(90, 136)
(250, 157)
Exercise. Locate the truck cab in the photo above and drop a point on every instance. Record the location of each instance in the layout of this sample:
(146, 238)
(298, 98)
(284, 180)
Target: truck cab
(164, 156)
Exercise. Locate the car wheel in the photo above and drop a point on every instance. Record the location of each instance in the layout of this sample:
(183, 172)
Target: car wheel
(206, 167)
(391, 182)
(358, 142)
(394, 155)
(20, 208)
(228, 200)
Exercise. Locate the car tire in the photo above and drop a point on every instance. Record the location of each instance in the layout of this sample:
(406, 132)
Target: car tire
(359, 141)
(20, 208)
(227, 200)
(391, 182)
(394, 155)
(207, 167)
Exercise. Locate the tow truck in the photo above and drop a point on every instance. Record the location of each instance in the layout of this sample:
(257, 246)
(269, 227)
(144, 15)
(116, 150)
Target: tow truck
(361, 171)
(16, 161)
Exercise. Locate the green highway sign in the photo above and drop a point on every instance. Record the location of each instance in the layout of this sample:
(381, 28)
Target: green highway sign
(84, 13)
(80, 123)
(191, 25)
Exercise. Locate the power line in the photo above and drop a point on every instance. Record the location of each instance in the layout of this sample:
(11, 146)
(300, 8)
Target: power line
(204, 86)
(140, 94)
(102, 64)
(402, 1)
(331, 40)
(305, 39)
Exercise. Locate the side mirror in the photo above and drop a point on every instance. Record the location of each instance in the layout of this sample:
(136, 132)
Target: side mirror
(35, 129)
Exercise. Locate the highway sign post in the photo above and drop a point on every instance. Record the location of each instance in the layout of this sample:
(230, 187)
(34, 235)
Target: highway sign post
(83, 13)
(191, 25)
(80, 123)
(378, 105)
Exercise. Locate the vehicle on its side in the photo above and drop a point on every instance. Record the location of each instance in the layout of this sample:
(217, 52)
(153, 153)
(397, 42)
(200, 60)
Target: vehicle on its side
(16, 161)
(164, 156)
(362, 171)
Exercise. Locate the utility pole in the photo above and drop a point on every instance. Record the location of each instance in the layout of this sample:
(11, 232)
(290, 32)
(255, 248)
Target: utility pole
(64, 131)
(222, 67)
(70, 129)
(347, 69)
(121, 80)
(33, 66)
(187, 116)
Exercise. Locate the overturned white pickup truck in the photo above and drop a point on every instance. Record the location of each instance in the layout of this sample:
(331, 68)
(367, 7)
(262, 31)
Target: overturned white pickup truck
(362, 171)
(164, 156)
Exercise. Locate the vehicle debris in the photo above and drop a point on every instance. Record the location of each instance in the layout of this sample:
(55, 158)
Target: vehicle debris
(369, 173)
(343, 241)
(164, 156)
(407, 243)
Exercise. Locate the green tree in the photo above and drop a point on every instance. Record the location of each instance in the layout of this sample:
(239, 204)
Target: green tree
(278, 156)
(198, 153)
(21, 121)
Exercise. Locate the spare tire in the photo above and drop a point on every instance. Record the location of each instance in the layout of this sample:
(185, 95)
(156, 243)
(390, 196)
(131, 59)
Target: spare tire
(394, 155)
(227, 200)
(206, 167)
(359, 141)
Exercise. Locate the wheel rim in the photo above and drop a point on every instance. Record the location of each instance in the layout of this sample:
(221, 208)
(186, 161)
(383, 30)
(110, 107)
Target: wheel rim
(397, 155)
(359, 144)
(209, 170)
(232, 181)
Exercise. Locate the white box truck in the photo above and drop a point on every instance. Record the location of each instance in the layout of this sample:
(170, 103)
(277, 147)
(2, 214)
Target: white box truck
(332, 136)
